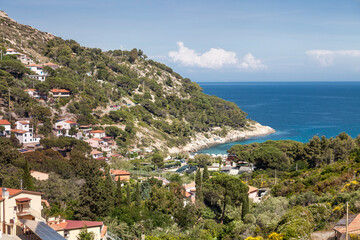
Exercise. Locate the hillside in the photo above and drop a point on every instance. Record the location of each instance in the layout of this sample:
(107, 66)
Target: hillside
(141, 102)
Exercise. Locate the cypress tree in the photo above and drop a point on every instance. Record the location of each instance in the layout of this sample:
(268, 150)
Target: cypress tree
(108, 191)
(198, 185)
(128, 195)
(27, 178)
(118, 194)
(205, 175)
(137, 195)
(90, 206)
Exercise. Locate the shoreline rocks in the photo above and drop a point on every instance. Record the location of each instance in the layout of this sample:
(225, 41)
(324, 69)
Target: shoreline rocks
(206, 140)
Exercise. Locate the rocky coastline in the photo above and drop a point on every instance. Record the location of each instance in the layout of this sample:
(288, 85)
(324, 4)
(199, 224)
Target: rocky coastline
(206, 140)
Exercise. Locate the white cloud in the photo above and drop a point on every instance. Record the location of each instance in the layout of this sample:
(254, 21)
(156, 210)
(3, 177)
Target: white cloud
(215, 58)
(251, 63)
(326, 57)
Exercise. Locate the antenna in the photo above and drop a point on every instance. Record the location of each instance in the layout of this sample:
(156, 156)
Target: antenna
(347, 221)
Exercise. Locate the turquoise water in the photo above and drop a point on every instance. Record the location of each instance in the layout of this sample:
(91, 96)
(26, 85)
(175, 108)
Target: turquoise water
(297, 111)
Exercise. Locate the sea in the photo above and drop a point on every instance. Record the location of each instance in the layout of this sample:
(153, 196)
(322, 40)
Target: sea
(296, 110)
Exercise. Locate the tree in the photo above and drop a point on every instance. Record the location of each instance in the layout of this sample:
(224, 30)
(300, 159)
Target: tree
(205, 175)
(72, 131)
(157, 160)
(198, 185)
(223, 190)
(128, 195)
(2, 130)
(137, 195)
(27, 178)
(90, 194)
(85, 235)
(118, 193)
(133, 55)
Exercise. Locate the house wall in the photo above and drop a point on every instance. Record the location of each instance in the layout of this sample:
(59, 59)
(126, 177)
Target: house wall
(40, 175)
(7, 129)
(72, 235)
(10, 204)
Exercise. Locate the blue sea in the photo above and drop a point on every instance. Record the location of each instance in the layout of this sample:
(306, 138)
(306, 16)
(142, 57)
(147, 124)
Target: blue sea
(296, 110)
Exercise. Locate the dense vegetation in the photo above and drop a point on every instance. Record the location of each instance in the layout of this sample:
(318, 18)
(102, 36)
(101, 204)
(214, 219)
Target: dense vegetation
(150, 96)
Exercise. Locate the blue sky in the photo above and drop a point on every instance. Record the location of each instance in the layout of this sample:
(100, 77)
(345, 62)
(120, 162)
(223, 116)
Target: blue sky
(257, 40)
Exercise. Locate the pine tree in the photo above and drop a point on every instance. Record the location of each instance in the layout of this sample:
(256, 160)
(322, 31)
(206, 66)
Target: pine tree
(118, 193)
(128, 195)
(205, 175)
(27, 178)
(137, 195)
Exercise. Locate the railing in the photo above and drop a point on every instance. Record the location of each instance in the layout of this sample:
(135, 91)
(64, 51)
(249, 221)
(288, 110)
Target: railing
(111, 236)
(32, 212)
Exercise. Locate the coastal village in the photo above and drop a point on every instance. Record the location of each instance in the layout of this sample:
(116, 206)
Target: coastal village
(106, 145)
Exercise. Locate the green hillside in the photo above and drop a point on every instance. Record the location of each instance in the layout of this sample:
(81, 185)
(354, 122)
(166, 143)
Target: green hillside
(152, 98)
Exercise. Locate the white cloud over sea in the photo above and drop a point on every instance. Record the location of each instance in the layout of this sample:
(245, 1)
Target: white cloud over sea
(326, 57)
(214, 58)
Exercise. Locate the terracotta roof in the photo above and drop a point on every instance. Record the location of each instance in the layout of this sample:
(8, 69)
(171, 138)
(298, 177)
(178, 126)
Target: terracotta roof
(50, 64)
(30, 90)
(119, 172)
(354, 224)
(13, 192)
(252, 189)
(4, 122)
(25, 199)
(10, 50)
(96, 139)
(72, 224)
(190, 185)
(55, 90)
(24, 122)
(34, 65)
(95, 152)
(70, 122)
(18, 131)
(97, 131)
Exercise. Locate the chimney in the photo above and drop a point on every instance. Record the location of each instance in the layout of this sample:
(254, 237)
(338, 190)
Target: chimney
(5, 193)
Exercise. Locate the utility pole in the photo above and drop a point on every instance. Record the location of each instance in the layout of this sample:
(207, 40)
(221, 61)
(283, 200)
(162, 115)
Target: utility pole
(9, 105)
(21, 184)
(347, 221)
(1, 54)
(275, 176)
(296, 166)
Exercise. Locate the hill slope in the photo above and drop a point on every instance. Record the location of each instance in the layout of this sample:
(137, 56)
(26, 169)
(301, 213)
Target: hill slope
(154, 106)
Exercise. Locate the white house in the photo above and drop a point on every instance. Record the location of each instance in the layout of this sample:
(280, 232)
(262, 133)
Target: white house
(97, 133)
(40, 78)
(24, 59)
(96, 154)
(32, 92)
(99, 143)
(41, 176)
(10, 51)
(38, 69)
(65, 124)
(24, 133)
(6, 124)
(59, 93)
(16, 204)
(52, 65)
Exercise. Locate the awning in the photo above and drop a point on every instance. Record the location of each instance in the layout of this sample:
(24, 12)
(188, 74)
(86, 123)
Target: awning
(25, 199)
(43, 231)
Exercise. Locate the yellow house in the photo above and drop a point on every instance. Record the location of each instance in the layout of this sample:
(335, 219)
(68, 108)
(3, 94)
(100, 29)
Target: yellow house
(70, 229)
(16, 204)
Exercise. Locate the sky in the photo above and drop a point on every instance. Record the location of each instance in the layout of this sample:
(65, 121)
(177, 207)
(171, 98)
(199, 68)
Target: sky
(253, 40)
